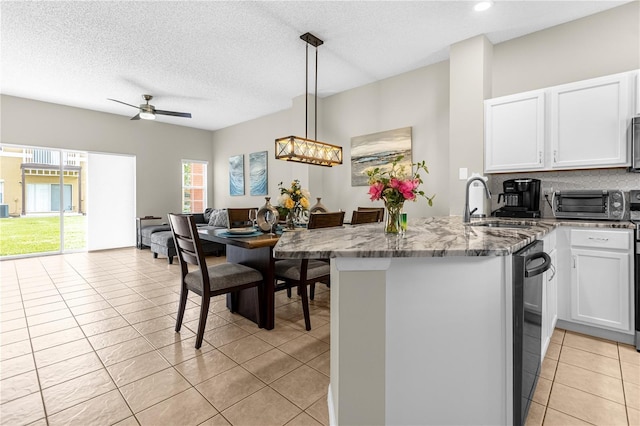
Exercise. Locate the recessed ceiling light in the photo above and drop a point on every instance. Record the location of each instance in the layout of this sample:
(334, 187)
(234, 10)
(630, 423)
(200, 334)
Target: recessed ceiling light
(482, 6)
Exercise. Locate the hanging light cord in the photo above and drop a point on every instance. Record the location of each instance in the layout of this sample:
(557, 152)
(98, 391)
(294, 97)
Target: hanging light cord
(306, 95)
(315, 98)
(306, 91)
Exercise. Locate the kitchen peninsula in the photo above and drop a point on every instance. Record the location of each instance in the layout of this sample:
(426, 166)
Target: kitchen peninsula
(421, 325)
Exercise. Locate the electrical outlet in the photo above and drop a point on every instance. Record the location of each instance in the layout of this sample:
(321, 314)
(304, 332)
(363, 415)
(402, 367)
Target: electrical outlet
(547, 191)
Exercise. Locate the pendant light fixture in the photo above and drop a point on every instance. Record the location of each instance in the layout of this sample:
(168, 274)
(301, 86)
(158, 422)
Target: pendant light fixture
(305, 150)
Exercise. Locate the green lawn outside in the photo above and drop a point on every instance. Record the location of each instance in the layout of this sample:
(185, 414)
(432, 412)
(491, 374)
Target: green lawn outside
(25, 235)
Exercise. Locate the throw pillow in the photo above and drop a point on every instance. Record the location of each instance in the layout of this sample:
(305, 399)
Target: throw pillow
(207, 214)
(218, 218)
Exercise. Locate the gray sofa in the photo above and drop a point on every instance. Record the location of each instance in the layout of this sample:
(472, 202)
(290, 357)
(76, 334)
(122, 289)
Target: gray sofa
(160, 240)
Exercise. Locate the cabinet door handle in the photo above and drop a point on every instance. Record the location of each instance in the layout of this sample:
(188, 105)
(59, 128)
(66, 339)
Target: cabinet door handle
(539, 157)
(555, 155)
(598, 239)
(574, 261)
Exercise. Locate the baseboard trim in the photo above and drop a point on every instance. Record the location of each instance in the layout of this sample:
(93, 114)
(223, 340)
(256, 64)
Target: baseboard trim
(616, 336)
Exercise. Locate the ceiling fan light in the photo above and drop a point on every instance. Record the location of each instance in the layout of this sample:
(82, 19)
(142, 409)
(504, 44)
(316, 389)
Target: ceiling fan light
(145, 115)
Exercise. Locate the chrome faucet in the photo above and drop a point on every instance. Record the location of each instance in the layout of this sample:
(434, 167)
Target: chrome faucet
(466, 218)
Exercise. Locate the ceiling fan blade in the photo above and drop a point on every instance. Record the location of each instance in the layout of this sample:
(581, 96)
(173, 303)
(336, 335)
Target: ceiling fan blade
(174, 113)
(124, 103)
(136, 117)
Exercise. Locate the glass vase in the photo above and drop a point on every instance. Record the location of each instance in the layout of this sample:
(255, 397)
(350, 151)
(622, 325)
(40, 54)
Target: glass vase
(392, 222)
(291, 219)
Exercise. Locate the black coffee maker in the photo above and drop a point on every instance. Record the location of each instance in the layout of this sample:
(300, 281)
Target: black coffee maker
(521, 198)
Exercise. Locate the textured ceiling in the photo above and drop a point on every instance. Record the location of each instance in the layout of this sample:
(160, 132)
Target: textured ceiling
(231, 61)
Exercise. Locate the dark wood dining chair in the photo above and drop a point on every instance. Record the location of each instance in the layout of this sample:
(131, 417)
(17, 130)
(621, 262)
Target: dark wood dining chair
(238, 217)
(211, 281)
(325, 220)
(301, 273)
(380, 211)
(364, 216)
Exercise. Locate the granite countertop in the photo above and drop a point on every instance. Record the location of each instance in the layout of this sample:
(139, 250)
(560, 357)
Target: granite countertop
(425, 237)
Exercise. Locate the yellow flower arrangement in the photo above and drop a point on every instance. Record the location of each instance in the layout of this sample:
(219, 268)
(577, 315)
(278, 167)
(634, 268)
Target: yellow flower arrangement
(294, 199)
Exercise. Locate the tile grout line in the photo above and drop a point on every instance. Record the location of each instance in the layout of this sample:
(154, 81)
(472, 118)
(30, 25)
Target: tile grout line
(155, 349)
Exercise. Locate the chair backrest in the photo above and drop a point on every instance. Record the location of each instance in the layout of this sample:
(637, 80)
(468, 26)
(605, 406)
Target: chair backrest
(238, 218)
(380, 211)
(188, 245)
(364, 216)
(325, 220)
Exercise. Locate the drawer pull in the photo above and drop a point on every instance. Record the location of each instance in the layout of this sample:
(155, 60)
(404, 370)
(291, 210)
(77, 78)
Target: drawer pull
(598, 239)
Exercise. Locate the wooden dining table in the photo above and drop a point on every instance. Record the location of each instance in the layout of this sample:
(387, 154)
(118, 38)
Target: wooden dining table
(256, 252)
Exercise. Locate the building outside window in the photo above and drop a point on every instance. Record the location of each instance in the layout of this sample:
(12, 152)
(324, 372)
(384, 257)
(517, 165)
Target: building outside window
(194, 186)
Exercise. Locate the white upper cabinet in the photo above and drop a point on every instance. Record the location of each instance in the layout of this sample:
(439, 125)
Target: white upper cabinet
(572, 126)
(589, 123)
(514, 125)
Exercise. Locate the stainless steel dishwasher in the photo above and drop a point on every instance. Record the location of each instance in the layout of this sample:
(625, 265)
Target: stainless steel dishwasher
(528, 266)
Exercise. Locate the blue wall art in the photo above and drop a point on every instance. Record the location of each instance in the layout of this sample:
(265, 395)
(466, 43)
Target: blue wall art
(258, 182)
(236, 175)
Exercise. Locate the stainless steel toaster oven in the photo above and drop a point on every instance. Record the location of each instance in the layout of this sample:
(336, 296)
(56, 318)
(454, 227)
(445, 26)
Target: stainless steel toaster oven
(604, 204)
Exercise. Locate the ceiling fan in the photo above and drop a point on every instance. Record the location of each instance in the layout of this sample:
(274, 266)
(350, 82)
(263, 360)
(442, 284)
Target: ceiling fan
(148, 111)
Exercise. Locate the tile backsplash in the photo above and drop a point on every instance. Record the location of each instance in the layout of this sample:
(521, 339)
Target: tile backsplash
(569, 179)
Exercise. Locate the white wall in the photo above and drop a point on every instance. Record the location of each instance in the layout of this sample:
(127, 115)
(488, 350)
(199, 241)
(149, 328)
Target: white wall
(158, 147)
(253, 136)
(470, 79)
(601, 44)
(418, 99)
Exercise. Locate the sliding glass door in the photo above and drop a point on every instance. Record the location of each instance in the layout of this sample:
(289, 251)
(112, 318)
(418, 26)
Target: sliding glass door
(43, 192)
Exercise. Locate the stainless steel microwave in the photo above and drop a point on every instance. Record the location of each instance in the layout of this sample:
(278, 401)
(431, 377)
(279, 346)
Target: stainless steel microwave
(603, 204)
(635, 145)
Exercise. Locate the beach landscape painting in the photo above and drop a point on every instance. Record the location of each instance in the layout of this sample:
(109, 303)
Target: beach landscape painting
(378, 150)
(236, 175)
(258, 173)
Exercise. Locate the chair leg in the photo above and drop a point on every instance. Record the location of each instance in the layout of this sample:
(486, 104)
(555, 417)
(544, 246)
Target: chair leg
(261, 304)
(181, 308)
(312, 291)
(288, 290)
(204, 311)
(302, 289)
(234, 301)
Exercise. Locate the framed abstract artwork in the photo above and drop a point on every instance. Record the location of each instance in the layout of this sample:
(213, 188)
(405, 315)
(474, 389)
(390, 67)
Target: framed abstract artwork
(378, 150)
(236, 175)
(258, 183)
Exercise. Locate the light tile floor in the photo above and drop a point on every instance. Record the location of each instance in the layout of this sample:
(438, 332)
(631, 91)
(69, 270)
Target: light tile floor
(88, 339)
(585, 380)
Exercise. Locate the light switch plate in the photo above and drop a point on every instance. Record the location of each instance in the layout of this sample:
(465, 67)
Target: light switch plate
(463, 173)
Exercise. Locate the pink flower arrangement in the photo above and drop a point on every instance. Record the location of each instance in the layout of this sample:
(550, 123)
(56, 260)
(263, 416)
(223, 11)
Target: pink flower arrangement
(396, 185)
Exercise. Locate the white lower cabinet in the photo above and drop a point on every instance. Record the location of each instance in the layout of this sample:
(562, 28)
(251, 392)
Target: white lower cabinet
(601, 278)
